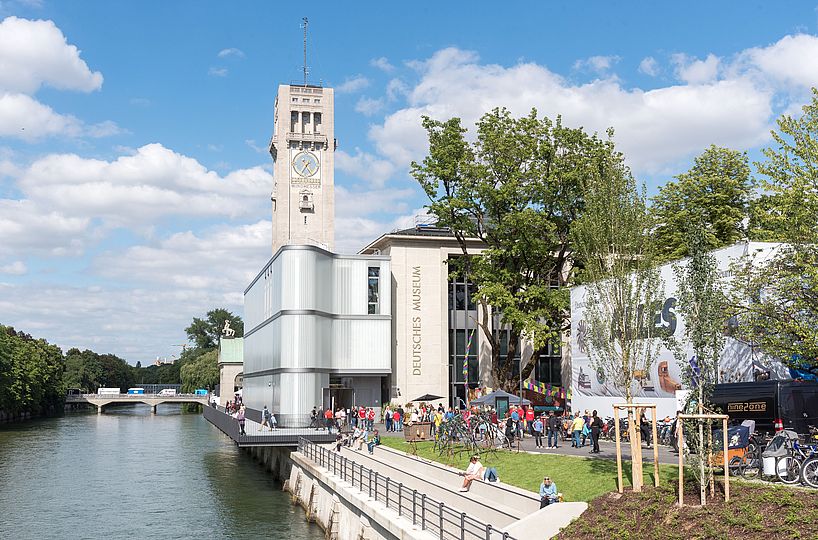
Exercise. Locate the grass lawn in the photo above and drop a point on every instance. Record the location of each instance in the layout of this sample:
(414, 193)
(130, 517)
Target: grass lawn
(578, 479)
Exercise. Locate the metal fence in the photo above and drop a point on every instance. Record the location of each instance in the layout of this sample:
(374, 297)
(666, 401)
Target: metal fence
(430, 515)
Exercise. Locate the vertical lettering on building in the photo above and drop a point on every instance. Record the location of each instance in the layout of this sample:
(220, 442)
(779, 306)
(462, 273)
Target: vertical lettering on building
(417, 343)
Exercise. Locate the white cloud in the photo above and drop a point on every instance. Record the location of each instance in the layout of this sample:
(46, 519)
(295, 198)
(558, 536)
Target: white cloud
(23, 117)
(597, 64)
(695, 71)
(16, 268)
(352, 85)
(135, 189)
(653, 127)
(217, 72)
(382, 63)
(792, 60)
(649, 66)
(356, 220)
(395, 89)
(30, 229)
(369, 168)
(252, 144)
(232, 51)
(226, 257)
(369, 106)
(34, 53)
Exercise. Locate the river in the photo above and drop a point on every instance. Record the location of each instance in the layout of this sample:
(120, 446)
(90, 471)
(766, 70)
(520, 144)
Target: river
(127, 473)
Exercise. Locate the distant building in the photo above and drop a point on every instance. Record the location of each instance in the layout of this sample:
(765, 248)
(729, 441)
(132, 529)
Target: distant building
(231, 368)
(164, 361)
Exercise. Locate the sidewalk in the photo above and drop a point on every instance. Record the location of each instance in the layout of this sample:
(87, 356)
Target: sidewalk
(607, 448)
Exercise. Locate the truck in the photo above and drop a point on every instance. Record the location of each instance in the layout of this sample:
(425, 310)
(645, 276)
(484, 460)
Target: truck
(200, 392)
(774, 405)
(136, 391)
(167, 392)
(109, 391)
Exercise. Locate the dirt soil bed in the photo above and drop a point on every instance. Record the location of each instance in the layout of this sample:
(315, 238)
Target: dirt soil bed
(753, 512)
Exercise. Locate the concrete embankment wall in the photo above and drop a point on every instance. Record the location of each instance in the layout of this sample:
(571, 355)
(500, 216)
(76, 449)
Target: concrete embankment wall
(15, 417)
(343, 511)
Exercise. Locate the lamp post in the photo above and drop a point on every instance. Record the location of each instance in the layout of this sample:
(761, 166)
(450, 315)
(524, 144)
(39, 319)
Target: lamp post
(520, 369)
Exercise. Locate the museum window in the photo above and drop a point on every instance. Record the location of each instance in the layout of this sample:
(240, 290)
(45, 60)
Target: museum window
(317, 122)
(462, 292)
(458, 339)
(374, 290)
(548, 369)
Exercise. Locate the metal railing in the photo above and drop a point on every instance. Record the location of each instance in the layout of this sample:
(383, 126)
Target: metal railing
(255, 435)
(430, 515)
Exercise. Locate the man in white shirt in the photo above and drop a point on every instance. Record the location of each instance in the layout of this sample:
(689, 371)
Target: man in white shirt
(473, 472)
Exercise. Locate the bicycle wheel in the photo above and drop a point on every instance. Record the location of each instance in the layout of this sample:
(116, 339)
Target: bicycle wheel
(751, 468)
(735, 466)
(788, 469)
(809, 472)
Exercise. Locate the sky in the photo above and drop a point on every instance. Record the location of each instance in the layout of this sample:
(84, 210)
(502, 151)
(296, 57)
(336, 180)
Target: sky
(134, 174)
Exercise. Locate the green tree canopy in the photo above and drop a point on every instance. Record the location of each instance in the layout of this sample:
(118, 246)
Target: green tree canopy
(31, 374)
(517, 188)
(201, 372)
(713, 194)
(787, 209)
(90, 371)
(205, 333)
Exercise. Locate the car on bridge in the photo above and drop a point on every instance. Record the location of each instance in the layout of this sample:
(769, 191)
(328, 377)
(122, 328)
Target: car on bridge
(167, 392)
(109, 391)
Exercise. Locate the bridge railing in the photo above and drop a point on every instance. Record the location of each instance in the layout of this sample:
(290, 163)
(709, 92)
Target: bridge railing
(256, 435)
(431, 515)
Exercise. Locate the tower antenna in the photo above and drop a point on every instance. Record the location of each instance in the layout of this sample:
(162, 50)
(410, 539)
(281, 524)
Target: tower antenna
(305, 23)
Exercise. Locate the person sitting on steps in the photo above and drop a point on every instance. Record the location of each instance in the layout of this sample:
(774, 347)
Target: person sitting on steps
(472, 473)
(548, 492)
(375, 441)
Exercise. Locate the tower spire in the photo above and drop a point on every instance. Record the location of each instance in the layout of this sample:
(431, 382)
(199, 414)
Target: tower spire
(305, 23)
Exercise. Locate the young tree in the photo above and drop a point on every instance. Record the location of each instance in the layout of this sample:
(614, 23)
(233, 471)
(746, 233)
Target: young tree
(623, 287)
(702, 304)
(205, 333)
(714, 194)
(518, 189)
(202, 372)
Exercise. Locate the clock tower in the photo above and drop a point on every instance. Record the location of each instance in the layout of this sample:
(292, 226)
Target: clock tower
(303, 148)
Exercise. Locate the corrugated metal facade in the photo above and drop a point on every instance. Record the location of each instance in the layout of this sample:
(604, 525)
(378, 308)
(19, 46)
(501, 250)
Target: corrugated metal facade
(306, 318)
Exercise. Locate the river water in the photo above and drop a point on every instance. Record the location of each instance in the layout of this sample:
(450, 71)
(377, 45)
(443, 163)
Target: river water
(127, 473)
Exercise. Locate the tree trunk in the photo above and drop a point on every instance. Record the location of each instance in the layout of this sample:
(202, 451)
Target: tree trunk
(702, 480)
(636, 452)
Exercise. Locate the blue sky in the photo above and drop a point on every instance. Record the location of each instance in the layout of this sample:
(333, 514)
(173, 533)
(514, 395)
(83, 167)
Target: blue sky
(134, 178)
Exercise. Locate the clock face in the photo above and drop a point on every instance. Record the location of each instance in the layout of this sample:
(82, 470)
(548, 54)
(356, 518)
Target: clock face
(305, 164)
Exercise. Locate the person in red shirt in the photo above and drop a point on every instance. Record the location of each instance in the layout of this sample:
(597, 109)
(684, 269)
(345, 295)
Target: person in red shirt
(370, 418)
(396, 421)
(329, 418)
(529, 419)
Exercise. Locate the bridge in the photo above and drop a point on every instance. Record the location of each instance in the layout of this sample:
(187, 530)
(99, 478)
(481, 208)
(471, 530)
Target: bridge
(101, 400)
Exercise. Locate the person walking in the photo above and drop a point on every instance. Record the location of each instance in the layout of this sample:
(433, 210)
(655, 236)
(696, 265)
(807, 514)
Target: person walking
(328, 418)
(596, 428)
(241, 420)
(644, 428)
(387, 418)
(537, 426)
(529, 419)
(265, 419)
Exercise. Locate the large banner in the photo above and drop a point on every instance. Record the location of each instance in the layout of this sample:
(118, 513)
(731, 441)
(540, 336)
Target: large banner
(661, 382)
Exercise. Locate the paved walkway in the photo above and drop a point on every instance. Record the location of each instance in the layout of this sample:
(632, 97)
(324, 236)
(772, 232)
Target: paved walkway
(507, 507)
(607, 449)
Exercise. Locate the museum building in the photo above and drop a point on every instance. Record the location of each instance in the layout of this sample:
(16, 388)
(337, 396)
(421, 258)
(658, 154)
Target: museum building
(388, 324)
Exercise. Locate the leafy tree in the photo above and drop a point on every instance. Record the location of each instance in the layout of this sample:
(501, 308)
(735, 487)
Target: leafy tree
(205, 333)
(623, 289)
(787, 210)
(201, 372)
(702, 305)
(777, 299)
(31, 373)
(713, 194)
(90, 371)
(518, 189)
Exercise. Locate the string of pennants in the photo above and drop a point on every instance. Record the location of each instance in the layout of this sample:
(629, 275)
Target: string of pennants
(547, 389)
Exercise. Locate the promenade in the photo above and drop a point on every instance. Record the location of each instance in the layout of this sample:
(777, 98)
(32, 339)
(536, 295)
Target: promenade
(488, 510)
